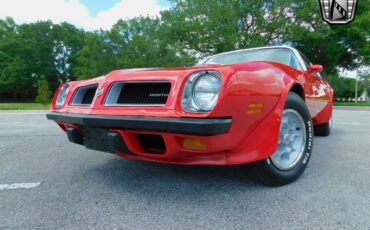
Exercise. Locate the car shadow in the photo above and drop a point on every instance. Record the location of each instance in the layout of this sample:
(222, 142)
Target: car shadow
(154, 179)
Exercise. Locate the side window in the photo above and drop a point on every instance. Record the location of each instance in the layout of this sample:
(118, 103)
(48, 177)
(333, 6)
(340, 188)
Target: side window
(305, 60)
(294, 62)
(308, 63)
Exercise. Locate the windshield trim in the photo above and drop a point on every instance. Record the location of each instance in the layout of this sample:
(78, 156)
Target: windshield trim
(295, 52)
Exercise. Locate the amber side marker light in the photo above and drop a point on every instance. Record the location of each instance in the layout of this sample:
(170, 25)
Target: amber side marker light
(193, 144)
(254, 108)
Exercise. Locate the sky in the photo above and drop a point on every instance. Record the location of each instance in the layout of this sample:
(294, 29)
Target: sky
(86, 14)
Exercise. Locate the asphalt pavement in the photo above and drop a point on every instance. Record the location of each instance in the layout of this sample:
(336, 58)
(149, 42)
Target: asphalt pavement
(48, 183)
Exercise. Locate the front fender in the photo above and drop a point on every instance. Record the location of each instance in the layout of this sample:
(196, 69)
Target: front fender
(263, 141)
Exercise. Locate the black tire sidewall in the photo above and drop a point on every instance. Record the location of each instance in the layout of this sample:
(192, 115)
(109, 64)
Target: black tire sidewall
(296, 103)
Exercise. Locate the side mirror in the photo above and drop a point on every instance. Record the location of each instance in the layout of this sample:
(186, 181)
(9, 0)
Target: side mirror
(315, 69)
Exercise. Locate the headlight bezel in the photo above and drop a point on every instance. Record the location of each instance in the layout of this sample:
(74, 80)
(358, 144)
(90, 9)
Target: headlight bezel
(189, 102)
(61, 98)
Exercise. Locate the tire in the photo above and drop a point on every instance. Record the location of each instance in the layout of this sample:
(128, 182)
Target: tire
(289, 161)
(323, 130)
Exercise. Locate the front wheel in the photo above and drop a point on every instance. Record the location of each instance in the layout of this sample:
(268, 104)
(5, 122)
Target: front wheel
(294, 146)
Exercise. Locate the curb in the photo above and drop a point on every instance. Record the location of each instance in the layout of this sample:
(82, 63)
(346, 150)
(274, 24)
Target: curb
(362, 108)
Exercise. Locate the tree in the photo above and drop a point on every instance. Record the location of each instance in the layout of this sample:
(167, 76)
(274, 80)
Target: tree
(13, 68)
(364, 81)
(30, 50)
(43, 92)
(68, 40)
(135, 43)
(188, 31)
(334, 46)
(96, 57)
(214, 26)
(345, 87)
(141, 42)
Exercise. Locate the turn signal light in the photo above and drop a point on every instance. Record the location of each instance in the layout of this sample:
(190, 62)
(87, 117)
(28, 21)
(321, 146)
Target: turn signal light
(193, 144)
(255, 108)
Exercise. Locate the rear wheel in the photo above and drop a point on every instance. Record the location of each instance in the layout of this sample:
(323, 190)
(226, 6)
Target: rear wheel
(294, 146)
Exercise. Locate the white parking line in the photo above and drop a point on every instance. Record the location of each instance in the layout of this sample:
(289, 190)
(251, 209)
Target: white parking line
(19, 185)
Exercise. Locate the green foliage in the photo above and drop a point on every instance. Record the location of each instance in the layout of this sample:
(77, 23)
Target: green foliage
(95, 57)
(30, 50)
(135, 43)
(364, 82)
(43, 93)
(333, 46)
(214, 26)
(345, 87)
(141, 42)
(190, 30)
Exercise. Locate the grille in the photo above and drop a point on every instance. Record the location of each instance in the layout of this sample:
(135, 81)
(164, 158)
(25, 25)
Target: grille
(139, 94)
(84, 95)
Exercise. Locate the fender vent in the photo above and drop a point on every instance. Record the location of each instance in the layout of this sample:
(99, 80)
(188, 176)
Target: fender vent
(152, 143)
(84, 95)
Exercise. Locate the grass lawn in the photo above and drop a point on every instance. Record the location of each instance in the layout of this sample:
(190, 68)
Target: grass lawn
(23, 106)
(345, 103)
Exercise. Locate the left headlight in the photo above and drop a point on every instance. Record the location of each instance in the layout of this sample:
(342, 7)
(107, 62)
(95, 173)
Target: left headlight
(201, 91)
(62, 95)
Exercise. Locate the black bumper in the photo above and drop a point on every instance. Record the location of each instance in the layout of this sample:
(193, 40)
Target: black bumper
(98, 139)
(192, 126)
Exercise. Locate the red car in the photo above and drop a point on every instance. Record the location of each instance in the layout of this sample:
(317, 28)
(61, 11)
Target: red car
(259, 106)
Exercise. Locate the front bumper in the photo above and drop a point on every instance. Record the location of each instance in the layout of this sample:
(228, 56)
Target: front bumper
(191, 126)
(149, 138)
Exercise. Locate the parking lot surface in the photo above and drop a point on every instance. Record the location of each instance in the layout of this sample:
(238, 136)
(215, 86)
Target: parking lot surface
(48, 183)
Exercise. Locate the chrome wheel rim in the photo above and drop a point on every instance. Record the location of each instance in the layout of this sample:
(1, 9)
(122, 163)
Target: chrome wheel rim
(292, 140)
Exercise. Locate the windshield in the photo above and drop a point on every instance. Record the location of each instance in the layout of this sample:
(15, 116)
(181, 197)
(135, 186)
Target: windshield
(279, 55)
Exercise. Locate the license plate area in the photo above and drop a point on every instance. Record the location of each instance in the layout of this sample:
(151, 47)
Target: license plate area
(96, 139)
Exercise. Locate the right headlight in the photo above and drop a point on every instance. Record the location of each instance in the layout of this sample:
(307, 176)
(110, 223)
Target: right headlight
(62, 95)
(201, 91)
